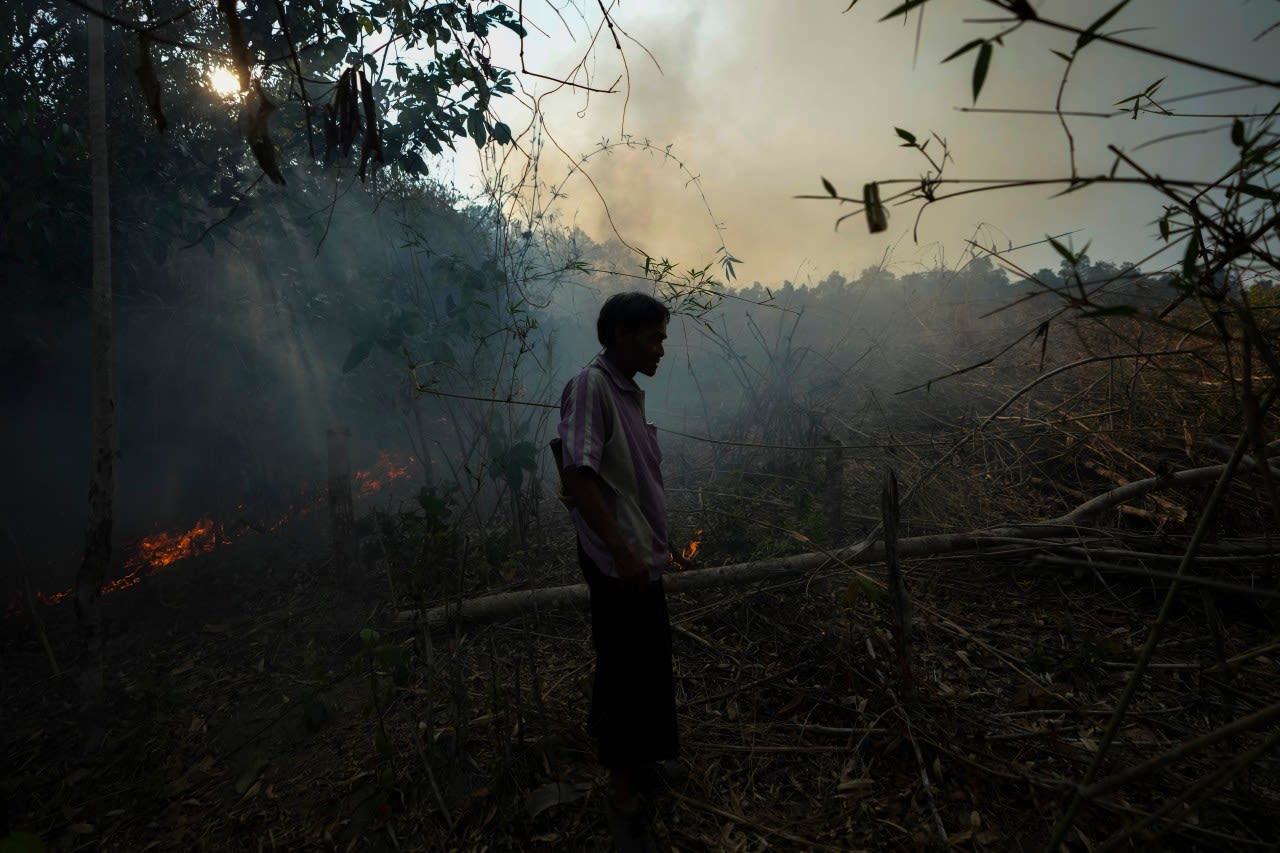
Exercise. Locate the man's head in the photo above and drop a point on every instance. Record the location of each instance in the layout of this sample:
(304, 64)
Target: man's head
(632, 327)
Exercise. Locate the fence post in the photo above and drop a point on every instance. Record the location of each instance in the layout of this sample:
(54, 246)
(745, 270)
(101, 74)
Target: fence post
(901, 603)
(835, 491)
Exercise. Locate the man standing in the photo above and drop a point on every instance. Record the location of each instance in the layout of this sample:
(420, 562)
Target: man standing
(611, 469)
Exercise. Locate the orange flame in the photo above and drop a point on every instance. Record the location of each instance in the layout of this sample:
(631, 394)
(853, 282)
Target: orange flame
(690, 551)
(165, 549)
(386, 470)
(156, 552)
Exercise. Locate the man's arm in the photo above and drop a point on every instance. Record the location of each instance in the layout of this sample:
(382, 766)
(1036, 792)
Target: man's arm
(587, 493)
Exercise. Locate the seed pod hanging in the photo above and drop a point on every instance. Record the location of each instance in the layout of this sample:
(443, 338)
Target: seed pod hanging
(371, 146)
(877, 216)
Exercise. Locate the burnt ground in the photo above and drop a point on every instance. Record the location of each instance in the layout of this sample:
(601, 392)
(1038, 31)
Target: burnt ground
(251, 707)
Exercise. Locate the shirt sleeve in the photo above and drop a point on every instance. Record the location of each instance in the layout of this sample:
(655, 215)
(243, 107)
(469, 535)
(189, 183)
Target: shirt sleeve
(584, 421)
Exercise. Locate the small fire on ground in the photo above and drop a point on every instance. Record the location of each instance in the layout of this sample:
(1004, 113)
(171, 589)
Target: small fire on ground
(161, 550)
(386, 470)
(156, 552)
(688, 552)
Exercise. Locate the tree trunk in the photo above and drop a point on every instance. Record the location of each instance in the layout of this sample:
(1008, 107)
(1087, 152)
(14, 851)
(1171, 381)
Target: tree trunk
(97, 538)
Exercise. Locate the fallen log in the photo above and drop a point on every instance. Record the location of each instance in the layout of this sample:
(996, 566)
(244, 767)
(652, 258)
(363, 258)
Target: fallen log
(1068, 527)
(504, 605)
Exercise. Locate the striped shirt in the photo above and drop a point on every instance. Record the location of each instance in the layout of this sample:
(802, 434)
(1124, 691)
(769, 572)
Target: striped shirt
(602, 426)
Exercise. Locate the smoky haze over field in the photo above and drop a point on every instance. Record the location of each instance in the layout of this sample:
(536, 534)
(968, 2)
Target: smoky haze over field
(299, 313)
(234, 358)
(761, 99)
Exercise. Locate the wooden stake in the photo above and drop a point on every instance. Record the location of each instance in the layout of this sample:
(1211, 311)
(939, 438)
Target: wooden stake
(835, 492)
(897, 588)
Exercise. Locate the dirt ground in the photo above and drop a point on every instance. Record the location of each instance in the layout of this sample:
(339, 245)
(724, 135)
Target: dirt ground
(252, 706)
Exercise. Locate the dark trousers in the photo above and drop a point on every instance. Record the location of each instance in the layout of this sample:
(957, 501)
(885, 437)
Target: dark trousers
(633, 697)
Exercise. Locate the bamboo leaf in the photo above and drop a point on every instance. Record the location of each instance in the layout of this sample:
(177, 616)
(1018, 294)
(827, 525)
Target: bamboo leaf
(1237, 133)
(1062, 250)
(963, 50)
(980, 69)
(1259, 192)
(905, 135)
(1189, 259)
(1092, 32)
(829, 187)
(901, 10)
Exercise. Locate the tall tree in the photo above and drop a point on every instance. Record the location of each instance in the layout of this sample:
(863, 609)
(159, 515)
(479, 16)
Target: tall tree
(97, 539)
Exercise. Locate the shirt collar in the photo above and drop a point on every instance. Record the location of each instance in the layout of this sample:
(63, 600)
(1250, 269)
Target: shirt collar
(619, 380)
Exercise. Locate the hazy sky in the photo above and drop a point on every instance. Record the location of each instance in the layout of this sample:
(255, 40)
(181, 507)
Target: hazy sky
(759, 98)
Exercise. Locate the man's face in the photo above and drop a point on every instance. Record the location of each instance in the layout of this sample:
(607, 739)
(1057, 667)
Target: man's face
(640, 350)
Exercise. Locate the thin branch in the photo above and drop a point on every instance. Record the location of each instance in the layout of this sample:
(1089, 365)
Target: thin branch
(297, 69)
(1073, 365)
(207, 231)
(147, 29)
(1139, 48)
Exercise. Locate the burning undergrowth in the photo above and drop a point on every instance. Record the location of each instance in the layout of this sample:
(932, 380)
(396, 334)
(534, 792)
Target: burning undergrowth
(165, 549)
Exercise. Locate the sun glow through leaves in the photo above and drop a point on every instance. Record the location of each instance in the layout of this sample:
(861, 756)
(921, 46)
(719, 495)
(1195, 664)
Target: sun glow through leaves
(223, 82)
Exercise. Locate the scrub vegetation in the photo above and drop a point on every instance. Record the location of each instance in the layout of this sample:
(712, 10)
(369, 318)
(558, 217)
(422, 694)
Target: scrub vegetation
(975, 556)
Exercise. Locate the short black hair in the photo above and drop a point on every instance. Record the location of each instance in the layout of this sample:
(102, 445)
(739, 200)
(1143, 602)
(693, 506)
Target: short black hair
(628, 311)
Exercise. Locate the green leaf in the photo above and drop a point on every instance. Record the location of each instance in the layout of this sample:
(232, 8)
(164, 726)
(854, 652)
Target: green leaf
(414, 163)
(359, 352)
(901, 10)
(523, 455)
(980, 69)
(1092, 32)
(348, 22)
(1189, 258)
(1066, 253)
(962, 51)
(501, 133)
(831, 190)
(475, 127)
(906, 135)
(1164, 227)
(1258, 192)
(1237, 133)
(861, 586)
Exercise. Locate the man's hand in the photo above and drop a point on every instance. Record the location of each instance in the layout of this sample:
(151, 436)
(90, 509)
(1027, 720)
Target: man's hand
(631, 572)
(586, 491)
